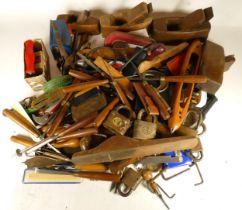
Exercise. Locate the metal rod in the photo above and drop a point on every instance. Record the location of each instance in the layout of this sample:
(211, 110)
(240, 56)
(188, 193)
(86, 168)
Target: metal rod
(200, 175)
(168, 196)
(173, 176)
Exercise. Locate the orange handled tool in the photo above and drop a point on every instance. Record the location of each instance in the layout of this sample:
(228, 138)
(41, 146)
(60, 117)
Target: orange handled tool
(179, 109)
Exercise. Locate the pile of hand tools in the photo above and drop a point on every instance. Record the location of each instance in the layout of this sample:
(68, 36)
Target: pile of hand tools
(128, 110)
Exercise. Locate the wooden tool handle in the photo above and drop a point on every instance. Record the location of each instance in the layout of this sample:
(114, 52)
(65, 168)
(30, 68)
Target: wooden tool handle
(84, 28)
(22, 140)
(141, 93)
(80, 124)
(185, 79)
(128, 92)
(64, 107)
(153, 110)
(79, 133)
(124, 83)
(112, 72)
(92, 167)
(146, 65)
(121, 94)
(21, 121)
(57, 120)
(84, 85)
(163, 130)
(81, 75)
(54, 155)
(145, 99)
(59, 129)
(179, 110)
(107, 53)
(84, 91)
(117, 166)
(104, 113)
(99, 176)
(157, 99)
(71, 143)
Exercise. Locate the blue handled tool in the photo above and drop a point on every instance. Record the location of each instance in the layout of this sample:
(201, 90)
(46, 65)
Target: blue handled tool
(60, 37)
(186, 160)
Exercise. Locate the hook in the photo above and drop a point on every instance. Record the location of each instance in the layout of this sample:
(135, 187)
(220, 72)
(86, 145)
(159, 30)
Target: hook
(197, 158)
(124, 190)
(204, 129)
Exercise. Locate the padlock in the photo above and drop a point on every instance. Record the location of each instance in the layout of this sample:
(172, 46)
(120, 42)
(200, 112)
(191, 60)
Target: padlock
(144, 129)
(130, 181)
(118, 123)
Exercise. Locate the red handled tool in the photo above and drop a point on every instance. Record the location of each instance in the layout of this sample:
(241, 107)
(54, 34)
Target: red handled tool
(29, 58)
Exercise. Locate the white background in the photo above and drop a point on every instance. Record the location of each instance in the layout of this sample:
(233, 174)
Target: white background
(221, 166)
